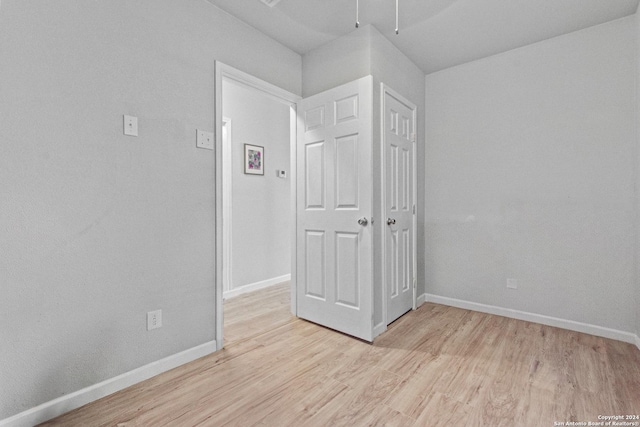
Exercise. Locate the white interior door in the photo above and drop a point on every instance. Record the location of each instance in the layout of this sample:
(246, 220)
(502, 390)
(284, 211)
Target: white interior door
(399, 118)
(334, 205)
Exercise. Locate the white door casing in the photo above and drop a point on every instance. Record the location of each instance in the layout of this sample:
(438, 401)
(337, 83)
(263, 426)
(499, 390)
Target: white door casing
(399, 140)
(334, 205)
(227, 174)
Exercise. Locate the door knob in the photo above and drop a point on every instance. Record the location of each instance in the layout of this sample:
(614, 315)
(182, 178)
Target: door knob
(363, 221)
(391, 221)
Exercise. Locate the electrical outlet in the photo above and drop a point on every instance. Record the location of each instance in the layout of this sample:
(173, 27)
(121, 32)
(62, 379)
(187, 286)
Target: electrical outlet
(154, 319)
(512, 284)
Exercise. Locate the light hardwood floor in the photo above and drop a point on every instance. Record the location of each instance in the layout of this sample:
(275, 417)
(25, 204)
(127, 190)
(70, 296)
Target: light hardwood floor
(436, 366)
(255, 313)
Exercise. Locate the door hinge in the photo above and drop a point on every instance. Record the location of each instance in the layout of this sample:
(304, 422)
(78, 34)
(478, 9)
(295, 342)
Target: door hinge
(414, 209)
(415, 283)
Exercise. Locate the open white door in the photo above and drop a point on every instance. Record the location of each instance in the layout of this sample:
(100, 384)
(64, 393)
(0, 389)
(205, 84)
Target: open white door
(334, 205)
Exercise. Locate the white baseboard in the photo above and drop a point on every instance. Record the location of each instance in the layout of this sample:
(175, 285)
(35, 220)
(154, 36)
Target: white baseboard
(571, 325)
(638, 342)
(64, 404)
(421, 300)
(378, 329)
(255, 286)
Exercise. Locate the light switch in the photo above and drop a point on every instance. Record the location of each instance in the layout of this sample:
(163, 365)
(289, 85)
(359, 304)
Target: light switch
(130, 125)
(204, 139)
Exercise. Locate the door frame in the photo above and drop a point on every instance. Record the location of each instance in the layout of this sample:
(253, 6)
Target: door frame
(227, 203)
(226, 72)
(386, 90)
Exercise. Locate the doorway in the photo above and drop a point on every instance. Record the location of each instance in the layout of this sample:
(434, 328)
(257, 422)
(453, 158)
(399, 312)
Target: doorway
(253, 207)
(255, 234)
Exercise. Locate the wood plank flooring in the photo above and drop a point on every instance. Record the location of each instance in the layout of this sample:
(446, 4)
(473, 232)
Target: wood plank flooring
(436, 366)
(255, 313)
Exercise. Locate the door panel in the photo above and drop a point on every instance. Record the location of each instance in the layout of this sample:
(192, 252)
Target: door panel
(393, 263)
(314, 168)
(316, 265)
(347, 172)
(399, 136)
(347, 262)
(334, 191)
(347, 109)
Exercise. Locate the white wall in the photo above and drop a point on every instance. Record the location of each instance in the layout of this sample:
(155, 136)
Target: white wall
(530, 160)
(261, 219)
(98, 228)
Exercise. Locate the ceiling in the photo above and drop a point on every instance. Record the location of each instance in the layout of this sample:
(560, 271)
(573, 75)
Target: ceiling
(434, 34)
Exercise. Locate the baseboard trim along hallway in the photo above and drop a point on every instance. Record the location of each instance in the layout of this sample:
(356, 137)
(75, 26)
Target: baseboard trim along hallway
(256, 286)
(71, 401)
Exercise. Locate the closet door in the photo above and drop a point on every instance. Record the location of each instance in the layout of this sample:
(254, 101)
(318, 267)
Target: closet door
(334, 206)
(399, 136)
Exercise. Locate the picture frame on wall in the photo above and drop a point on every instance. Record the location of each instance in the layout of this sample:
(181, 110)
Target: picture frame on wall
(253, 159)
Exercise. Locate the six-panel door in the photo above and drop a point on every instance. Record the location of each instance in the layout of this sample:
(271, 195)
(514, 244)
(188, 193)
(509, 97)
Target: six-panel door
(399, 137)
(334, 190)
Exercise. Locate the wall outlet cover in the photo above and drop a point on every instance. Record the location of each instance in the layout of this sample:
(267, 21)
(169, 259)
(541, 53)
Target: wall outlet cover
(204, 139)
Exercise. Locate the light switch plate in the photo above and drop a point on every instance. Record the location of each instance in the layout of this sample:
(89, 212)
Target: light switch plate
(154, 319)
(130, 125)
(204, 139)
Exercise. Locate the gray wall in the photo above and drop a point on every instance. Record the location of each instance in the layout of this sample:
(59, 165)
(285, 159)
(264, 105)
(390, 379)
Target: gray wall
(99, 228)
(531, 161)
(338, 62)
(261, 220)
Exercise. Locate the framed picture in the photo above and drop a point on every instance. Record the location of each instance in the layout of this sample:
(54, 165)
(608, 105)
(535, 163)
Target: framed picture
(253, 159)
